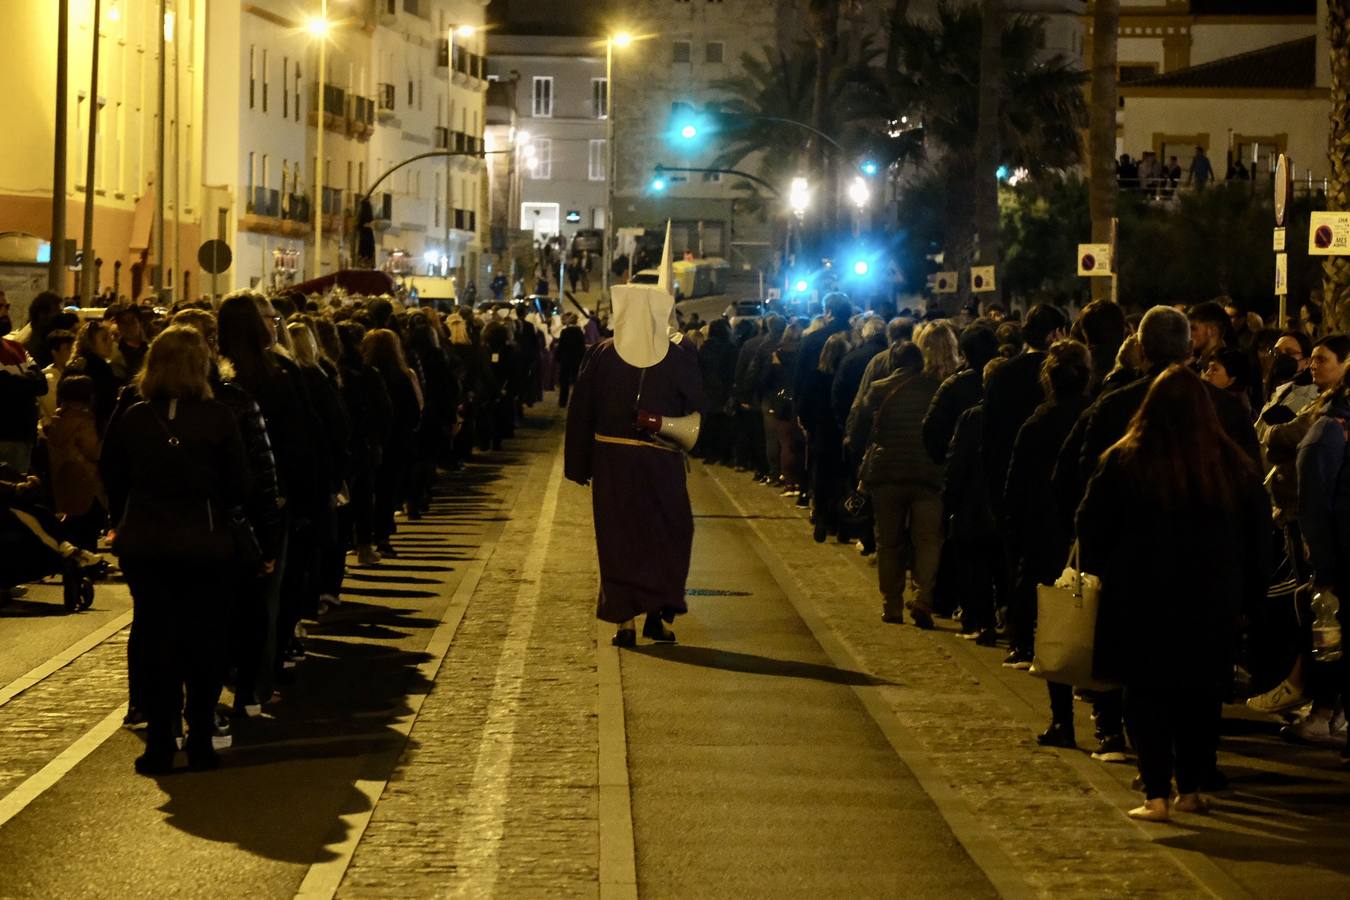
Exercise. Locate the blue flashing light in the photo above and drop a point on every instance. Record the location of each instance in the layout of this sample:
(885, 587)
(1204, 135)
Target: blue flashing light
(869, 167)
(861, 267)
(801, 285)
(658, 184)
(1002, 173)
(689, 132)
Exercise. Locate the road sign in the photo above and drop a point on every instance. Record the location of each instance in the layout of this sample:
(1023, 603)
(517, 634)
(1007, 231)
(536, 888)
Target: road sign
(981, 279)
(1094, 260)
(1281, 188)
(1279, 240)
(944, 283)
(1281, 274)
(1329, 234)
(214, 257)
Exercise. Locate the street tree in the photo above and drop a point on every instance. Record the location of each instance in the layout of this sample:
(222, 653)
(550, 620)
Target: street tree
(1336, 277)
(1102, 130)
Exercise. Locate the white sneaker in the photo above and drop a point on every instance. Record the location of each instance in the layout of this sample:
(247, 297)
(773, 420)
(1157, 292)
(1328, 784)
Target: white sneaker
(1316, 729)
(1281, 698)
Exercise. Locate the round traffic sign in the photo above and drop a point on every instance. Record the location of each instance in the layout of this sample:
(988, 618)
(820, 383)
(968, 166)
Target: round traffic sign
(1322, 237)
(1281, 189)
(214, 257)
(1089, 262)
(942, 284)
(979, 281)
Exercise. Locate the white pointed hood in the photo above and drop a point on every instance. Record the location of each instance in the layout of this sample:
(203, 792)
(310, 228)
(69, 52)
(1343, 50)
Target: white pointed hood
(641, 317)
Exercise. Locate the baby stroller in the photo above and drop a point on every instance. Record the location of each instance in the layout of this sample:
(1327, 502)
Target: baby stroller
(31, 549)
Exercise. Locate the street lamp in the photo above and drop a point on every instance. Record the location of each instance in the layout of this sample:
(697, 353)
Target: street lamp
(858, 192)
(799, 196)
(319, 28)
(619, 39)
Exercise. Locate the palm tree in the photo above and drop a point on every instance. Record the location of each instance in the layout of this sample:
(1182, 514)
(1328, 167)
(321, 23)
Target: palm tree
(986, 137)
(1336, 269)
(1102, 188)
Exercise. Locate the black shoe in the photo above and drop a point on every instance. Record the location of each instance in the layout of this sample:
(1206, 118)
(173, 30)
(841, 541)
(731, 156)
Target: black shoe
(1017, 659)
(922, 620)
(202, 757)
(624, 637)
(820, 533)
(1059, 734)
(134, 718)
(653, 629)
(155, 762)
(893, 618)
(987, 637)
(1111, 748)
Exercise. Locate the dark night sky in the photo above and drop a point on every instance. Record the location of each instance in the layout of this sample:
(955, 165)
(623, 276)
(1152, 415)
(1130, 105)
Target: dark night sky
(549, 16)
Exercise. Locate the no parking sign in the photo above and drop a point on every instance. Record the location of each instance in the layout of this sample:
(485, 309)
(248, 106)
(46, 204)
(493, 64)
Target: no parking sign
(981, 279)
(1094, 260)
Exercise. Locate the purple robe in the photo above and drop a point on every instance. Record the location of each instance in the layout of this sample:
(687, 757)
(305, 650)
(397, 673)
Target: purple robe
(644, 527)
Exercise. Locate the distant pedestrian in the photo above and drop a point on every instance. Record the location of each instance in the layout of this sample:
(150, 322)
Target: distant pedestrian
(1201, 172)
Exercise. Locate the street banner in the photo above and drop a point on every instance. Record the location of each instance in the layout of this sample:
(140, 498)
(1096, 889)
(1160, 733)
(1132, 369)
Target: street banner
(1094, 260)
(1281, 274)
(1329, 234)
(944, 283)
(1279, 240)
(981, 279)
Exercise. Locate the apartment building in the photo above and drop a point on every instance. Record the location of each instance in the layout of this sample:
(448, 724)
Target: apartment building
(125, 192)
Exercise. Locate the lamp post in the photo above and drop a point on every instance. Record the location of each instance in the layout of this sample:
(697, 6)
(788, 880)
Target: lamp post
(87, 273)
(450, 32)
(318, 27)
(619, 39)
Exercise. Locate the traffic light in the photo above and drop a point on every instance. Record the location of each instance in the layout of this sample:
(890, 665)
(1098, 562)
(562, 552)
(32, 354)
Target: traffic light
(861, 267)
(801, 285)
(658, 183)
(869, 167)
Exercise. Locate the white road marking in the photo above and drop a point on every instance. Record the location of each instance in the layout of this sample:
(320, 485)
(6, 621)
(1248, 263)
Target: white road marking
(64, 658)
(34, 785)
(480, 835)
(618, 856)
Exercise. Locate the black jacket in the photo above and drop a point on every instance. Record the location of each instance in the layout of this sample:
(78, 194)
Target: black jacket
(1040, 537)
(1013, 393)
(571, 348)
(850, 375)
(262, 504)
(1174, 581)
(368, 405)
(717, 364)
(203, 473)
(965, 495)
(956, 395)
(21, 383)
(1105, 422)
(808, 357)
(743, 388)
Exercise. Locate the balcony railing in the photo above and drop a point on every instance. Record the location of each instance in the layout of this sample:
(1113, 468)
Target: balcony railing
(362, 109)
(442, 137)
(464, 219)
(334, 100)
(386, 95)
(332, 201)
(442, 53)
(264, 202)
(297, 208)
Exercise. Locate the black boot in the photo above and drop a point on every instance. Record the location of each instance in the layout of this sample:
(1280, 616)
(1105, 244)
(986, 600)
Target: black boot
(1059, 734)
(655, 630)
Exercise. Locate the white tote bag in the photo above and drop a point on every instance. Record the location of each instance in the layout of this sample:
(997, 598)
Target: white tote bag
(1067, 627)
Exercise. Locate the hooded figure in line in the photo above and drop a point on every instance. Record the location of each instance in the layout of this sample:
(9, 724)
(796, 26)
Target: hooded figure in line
(644, 527)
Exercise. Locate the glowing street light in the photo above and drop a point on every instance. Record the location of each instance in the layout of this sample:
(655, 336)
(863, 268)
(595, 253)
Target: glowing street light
(801, 286)
(858, 192)
(689, 132)
(318, 26)
(869, 167)
(861, 267)
(658, 184)
(799, 196)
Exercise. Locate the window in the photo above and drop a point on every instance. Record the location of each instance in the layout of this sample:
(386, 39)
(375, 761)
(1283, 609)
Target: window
(542, 95)
(297, 92)
(712, 177)
(252, 171)
(684, 51)
(411, 88)
(252, 74)
(543, 159)
(600, 98)
(715, 51)
(264, 80)
(595, 167)
(285, 87)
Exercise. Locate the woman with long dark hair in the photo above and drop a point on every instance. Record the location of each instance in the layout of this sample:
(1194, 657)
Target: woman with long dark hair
(381, 349)
(176, 474)
(825, 439)
(367, 400)
(1176, 524)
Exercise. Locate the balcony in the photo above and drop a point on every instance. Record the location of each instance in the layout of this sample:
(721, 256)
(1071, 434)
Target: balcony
(334, 107)
(297, 216)
(386, 98)
(442, 138)
(464, 219)
(382, 208)
(360, 117)
(262, 210)
(442, 53)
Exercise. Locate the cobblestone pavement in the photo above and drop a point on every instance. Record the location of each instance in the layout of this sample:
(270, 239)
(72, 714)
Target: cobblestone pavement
(1052, 812)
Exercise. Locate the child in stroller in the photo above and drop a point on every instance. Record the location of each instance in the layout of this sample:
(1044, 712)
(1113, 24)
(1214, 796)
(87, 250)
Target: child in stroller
(31, 547)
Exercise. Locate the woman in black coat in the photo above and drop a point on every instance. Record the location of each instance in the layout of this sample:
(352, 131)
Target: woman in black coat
(717, 363)
(382, 350)
(1041, 541)
(825, 439)
(176, 475)
(1176, 524)
(372, 413)
(93, 349)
